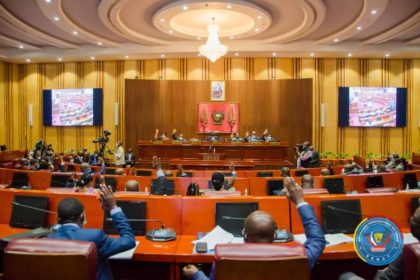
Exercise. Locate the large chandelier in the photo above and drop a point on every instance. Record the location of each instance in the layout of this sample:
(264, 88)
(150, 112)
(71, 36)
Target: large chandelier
(213, 49)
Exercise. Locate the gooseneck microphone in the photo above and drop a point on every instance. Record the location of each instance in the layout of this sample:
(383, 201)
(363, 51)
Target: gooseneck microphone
(233, 218)
(162, 225)
(346, 211)
(33, 208)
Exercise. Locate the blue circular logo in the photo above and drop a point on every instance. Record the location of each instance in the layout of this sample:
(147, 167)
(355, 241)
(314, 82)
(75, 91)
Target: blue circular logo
(378, 241)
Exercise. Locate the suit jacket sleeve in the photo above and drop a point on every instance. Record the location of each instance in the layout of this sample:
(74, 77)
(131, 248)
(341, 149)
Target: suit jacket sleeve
(108, 246)
(315, 240)
(201, 276)
(395, 270)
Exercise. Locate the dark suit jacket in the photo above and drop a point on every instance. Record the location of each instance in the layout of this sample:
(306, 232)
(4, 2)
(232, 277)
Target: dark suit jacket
(105, 245)
(315, 159)
(314, 244)
(394, 271)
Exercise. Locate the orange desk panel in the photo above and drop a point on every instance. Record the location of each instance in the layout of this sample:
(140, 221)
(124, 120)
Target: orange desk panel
(198, 213)
(93, 207)
(168, 209)
(149, 251)
(394, 206)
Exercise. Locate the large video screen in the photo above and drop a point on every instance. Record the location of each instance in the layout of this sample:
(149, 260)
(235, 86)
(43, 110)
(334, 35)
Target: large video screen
(372, 106)
(73, 107)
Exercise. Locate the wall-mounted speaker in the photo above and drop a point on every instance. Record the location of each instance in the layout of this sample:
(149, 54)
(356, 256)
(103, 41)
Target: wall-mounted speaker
(116, 114)
(30, 119)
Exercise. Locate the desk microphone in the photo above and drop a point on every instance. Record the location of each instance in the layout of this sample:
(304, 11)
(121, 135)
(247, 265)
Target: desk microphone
(33, 208)
(159, 235)
(233, 218)
(281, 235)
(346, 211)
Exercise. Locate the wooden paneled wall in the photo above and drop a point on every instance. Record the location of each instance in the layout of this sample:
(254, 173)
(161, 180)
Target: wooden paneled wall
(22, 84)
(282, 106)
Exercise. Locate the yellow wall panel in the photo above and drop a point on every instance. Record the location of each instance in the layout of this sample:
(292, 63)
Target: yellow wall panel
(21, 85)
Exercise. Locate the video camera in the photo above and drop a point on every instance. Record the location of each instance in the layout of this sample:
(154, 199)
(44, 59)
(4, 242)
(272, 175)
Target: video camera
(104, 139)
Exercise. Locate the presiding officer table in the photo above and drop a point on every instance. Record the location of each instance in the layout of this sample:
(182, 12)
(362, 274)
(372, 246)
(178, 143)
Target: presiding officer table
(191, 154)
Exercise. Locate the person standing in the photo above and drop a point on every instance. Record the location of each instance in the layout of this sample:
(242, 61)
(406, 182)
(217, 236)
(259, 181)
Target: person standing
(119, 155)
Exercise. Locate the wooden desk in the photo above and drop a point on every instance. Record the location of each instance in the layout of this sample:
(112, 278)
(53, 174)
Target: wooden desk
(256, 153)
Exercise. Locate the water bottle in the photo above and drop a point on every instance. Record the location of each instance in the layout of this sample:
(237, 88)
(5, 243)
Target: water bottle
(246, 192)
(146, 190)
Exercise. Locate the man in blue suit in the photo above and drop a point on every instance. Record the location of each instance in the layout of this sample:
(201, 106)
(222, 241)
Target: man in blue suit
(72, 217)
(260, 228)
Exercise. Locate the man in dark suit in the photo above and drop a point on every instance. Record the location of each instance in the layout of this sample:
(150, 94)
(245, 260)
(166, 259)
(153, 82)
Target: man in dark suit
(130, 158)
(72, 217)
(261, 229)
(315, 159)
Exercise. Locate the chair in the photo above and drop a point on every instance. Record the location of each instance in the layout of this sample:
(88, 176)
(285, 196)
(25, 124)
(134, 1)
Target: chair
(411, 256)
(261, 261)
(47, 259)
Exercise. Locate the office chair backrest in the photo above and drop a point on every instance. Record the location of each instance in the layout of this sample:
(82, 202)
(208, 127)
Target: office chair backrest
(261, 261)
(49, 259)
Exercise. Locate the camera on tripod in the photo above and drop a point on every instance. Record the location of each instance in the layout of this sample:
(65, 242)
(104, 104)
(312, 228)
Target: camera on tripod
(104, 139)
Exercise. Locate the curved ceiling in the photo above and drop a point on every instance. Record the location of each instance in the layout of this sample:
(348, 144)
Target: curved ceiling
(45, 30)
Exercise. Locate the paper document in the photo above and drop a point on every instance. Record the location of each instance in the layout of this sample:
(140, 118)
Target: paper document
(126, 255)
(216, 236)
(332, 239)
(409, 238)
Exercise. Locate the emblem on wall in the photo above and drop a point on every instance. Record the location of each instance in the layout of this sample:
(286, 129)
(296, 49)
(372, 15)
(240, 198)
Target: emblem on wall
(218, 117)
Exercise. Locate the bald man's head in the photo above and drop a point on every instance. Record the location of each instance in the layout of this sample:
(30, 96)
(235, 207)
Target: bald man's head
(132, 186)
(259, 227)
(307, 181)
(415, 223)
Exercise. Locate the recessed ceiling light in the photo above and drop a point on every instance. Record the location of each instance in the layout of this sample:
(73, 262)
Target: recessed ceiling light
(162, 20)
(236, 54)
(198, 38)
(20, 46)
(259, 17)
(231, 37)
(373, 12)
(56, 18)
(349, 55)
(162, 55)
(185, 8)
(92, 57)
(311, 54)
(28, 60)
(336, 40)
(171, 31)
(100, 43)
(75, 33)
(48, 1)
(199, 54)
(387, 55)
(229, 6)
(59, 59)
(359, 28)
(257, 29)
(274, 54)
(126, 57)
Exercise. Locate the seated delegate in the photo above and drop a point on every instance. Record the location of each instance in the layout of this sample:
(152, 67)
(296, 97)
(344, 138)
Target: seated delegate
(259, 227)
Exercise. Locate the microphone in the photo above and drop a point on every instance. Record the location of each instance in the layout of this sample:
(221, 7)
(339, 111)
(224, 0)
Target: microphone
(346, 211)
(232, 218)
(159, 235)
(33, 208)
(162, 225)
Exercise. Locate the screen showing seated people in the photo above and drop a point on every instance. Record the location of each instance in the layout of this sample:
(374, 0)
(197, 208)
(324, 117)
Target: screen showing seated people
(73, 107)
(372, 106)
